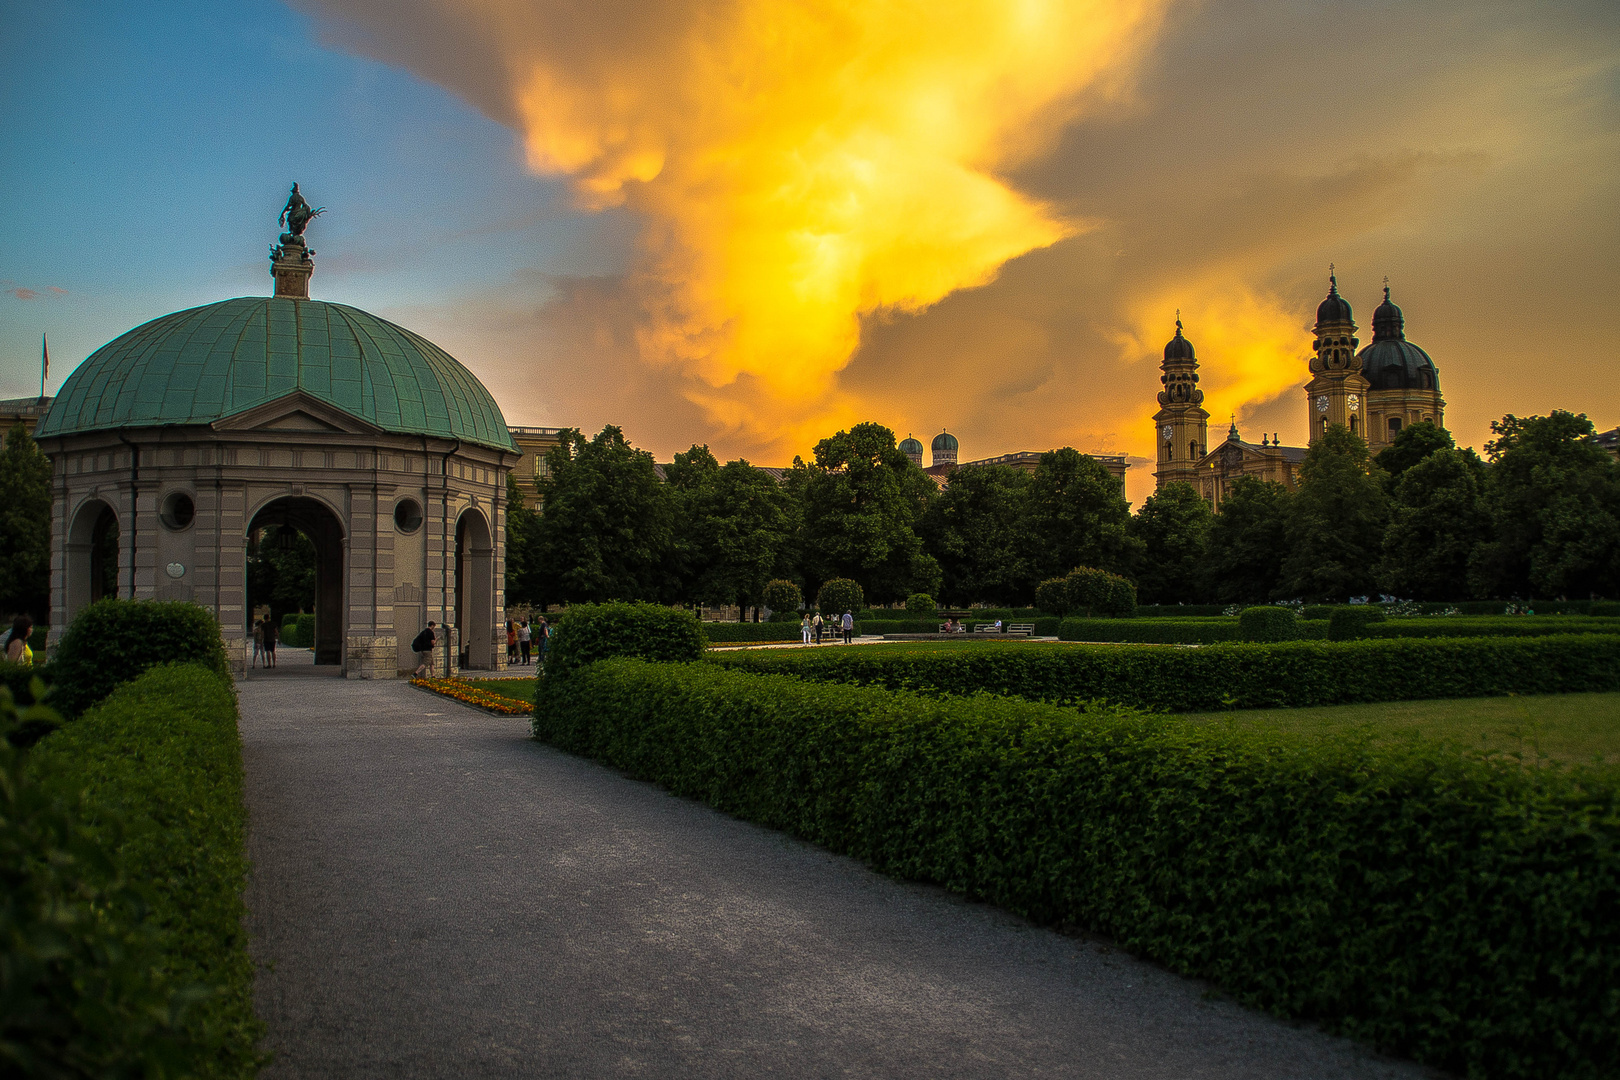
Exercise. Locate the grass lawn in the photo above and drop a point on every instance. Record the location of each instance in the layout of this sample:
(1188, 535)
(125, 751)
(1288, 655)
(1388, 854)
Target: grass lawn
(516, 689)
(1563, 727)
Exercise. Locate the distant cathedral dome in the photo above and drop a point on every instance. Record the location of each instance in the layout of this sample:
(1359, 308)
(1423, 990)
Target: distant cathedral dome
(912, 449)
(1334, 309)
(944, 448)
(1391, 362)
(1178, 348)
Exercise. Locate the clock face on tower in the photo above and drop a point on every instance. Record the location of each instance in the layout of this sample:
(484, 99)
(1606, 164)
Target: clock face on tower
(1322, 403)
(1354, 402)
(1166, 431)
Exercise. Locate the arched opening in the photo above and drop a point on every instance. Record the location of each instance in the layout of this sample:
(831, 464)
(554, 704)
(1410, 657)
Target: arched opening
(295, 564)
(92, 556)
(1394, 426)
(475, 590)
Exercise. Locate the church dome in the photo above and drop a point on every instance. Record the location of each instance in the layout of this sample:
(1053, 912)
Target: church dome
(1178, 348)
(944, 443)
(1388, 322)
(215, 361)
(1335, 308)
(1397, 364)
(908, 445)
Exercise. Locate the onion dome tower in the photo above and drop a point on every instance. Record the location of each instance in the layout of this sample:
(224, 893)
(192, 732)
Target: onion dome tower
(1403, 383)
(944, 448)
(1337, 390)
(1181, 426)
(912, 449)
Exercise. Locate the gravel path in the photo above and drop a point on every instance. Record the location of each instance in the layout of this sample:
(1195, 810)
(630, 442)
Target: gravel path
(436, 895)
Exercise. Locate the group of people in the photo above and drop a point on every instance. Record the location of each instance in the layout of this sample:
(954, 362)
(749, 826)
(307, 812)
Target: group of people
(264, 641)
(521, 640)
(813, 626)
(15, 641)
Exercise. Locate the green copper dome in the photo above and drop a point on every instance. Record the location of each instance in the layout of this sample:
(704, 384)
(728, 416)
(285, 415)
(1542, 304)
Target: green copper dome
(202, 365)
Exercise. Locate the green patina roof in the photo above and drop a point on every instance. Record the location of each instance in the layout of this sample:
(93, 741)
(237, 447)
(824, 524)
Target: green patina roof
(202, 365)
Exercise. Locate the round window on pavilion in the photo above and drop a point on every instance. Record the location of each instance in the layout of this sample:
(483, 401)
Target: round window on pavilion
(177, 511)
(407, 515)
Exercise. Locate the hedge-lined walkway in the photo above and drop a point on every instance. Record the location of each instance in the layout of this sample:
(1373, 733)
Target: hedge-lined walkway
(434, 894)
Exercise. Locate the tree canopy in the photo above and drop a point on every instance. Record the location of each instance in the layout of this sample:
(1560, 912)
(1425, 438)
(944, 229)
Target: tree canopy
(25, 527)
(1336, 521)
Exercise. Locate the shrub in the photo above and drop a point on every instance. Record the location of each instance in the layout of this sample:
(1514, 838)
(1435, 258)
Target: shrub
(121, 926)
(1489, 626)
(1098, 592)
(114, 641)
(297, 631)
(1348, 623)
(1604, 609)
(783, 598)
(1450, 908)
(1268, 624)
(1179, 611)
(1289, 674)
(920, 604)
(1053, 595)
(19, 678)
(590, 632)
(1150, 631)
(1318, 612)
(838, 596)
(719, 633)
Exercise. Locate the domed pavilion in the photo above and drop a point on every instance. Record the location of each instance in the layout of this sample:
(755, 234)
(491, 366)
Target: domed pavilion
(190, 434)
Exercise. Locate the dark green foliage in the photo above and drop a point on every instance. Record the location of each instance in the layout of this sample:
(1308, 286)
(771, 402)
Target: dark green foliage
(838, 596)
(1179, 611)
(975, 529)
(1488, 626)
(113, 641)
(523, 585)
(122, 865)
(1554, 498)
(1268, 624)
(1318, 879)
(1347, 623)
(1150, 631)
(1289, 674)
(19, 678)
(862, 500)
(1076, 516)
(1438, 519)
(1315, 612)
(1247, 542)
(726, 632)
(733, 529)
(1606, 608)
(1098, 592)
(1413, 443)
(25, 528)
(587, 633)
(606, 527)
(297, 631)
(281, 571)
(920, 604)
(1173, 527)
(1053, 595)
(783, 598)
(1335, 521)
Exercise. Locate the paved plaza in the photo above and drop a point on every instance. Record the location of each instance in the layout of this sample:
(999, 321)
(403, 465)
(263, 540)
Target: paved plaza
(436, 895)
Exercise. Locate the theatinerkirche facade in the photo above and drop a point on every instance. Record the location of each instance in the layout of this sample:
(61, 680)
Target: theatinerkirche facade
(1374, 392)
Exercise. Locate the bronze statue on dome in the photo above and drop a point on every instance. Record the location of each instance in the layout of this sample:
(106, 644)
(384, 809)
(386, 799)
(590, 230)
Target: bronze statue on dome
(297, 214)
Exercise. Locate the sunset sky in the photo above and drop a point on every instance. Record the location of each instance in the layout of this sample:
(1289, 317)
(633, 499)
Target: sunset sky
(750, 223)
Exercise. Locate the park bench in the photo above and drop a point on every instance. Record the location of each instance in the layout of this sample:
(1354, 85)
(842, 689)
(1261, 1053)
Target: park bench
(945, 628)
(986, 628)
(1021, 629)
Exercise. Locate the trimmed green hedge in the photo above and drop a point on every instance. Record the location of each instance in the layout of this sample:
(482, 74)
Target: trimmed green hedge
(1170, 631)
(590, 632)
(121, 911)
(1490, 626)
(1289, 674)
(1268, 624)
(113, 641)
(1179, 611)
(765, 631)
(1456, 910)
(297, 631)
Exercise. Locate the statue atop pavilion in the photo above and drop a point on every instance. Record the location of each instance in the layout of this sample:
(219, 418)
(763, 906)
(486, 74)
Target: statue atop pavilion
(292, 261)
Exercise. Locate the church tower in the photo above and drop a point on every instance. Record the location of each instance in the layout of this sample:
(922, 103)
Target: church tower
(1337, 391)
(1181, 426)
(1403, 385)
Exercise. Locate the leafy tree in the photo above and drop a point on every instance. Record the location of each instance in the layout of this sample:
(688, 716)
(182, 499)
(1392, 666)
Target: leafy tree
(25, 527)
(1247, 541)
(1554, 498)
(920, 604)
(783, 598)
(974, 530)
(1097, 592)
(1173, 527)
(1438, 519)
(522, 557)
(606, 526)
(861, 501)
(1336, 520)
(838, 596)
(281, 572)
(1075, 515)
(746, 533)
(1412, 444)
(1052, 596)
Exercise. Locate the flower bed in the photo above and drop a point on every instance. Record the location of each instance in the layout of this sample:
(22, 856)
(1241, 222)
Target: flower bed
(470, 693)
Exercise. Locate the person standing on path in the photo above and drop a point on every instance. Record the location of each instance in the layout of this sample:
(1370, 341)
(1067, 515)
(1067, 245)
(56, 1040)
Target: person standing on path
(258, 641)
(804, 630)
(545, 639)
(17, 650)
(524, 640)
(849, 626)
(815, 626)
(269, 635)
(422, 646)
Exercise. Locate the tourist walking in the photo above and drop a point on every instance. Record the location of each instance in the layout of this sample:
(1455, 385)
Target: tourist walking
(524, 640)
(804, 629)
(544, 630)
(258, 641)
(422, 646)
(511, 641)
(849, 626)
(269, 636)
(816, 625)
(17, 650)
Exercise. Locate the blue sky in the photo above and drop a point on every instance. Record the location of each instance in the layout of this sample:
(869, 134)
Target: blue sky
(147, 150)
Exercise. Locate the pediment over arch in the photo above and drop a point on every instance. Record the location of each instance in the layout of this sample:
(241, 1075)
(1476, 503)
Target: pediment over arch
(296, 411)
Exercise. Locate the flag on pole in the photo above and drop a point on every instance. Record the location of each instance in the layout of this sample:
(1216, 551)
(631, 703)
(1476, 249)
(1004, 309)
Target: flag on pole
(44, 363)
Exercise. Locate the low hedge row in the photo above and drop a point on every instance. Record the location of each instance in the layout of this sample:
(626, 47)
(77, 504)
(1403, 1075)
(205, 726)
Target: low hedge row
(1491, 626)
(1170, 631)
(121, 908)
(1289, 674)
(765, 631)
(298, 631)
(1452, 909)
(1209, 631)
(113, 641)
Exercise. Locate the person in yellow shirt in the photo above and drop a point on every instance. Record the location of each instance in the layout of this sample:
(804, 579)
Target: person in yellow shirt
(17, 651)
